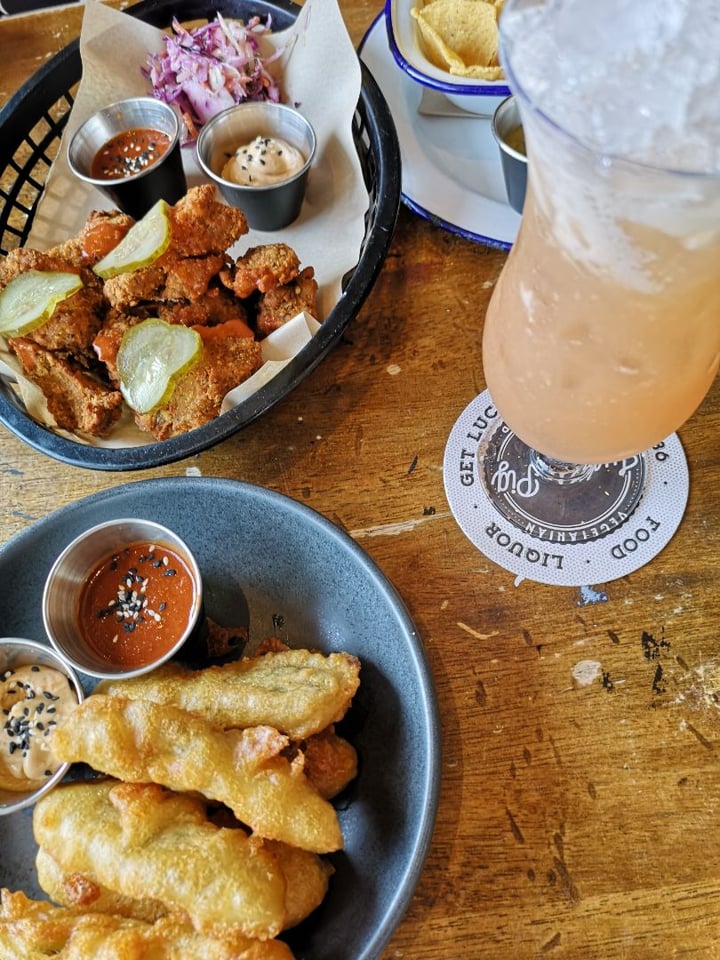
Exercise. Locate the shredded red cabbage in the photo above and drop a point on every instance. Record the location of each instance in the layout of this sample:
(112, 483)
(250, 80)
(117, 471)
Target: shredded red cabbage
(204, 70)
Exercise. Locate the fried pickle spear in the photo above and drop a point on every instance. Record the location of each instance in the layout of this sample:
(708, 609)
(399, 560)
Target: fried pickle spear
(299, 692)
(82, 892)
(143, 841)
(306, 883)
(139, 741)
(35, 930)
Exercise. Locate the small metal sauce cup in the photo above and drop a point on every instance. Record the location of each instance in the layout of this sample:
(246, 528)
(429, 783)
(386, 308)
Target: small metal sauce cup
(506, 118)
(134, 194)
(269, 207)
(17, 652)
(69, 573)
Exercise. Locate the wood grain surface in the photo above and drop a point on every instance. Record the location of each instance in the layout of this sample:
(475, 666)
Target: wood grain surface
(581, 728)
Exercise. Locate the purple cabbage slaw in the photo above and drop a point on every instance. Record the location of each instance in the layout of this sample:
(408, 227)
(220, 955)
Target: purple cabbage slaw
(204, 70)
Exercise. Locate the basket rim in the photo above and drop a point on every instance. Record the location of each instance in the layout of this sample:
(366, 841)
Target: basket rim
(384, 145)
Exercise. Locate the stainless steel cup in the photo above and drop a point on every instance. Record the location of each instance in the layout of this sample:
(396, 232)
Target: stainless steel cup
(134, 194)
(506, 118)
(268, 207)
(18, 652)
(69, 573)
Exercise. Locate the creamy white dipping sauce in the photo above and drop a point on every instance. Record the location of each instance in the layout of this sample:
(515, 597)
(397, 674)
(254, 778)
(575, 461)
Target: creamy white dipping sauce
(33, 699)
(265, 161)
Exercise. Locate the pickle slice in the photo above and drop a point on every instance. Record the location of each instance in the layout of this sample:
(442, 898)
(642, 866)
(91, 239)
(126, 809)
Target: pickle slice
(144, 242)
(30, 298)
(152, 357)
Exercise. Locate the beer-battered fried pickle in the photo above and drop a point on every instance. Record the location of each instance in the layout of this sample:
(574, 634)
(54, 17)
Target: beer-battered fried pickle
(330, 762)
(299, 692)
(139, 742)
(306, 882)
(36, 930)
(81, 892)
(146, 842)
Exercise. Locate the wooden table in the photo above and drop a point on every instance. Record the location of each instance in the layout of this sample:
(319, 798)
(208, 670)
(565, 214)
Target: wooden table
(575, 820)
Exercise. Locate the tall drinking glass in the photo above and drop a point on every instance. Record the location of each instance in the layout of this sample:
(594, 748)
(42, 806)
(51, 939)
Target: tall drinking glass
(603, 333)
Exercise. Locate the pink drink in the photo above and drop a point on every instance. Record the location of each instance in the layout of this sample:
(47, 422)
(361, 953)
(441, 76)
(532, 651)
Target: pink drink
(603, 333)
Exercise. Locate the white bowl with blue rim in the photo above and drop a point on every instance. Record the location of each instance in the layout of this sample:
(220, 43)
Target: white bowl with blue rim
(468, 93)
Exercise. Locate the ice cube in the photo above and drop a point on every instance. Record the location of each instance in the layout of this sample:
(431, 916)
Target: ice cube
(635, 78)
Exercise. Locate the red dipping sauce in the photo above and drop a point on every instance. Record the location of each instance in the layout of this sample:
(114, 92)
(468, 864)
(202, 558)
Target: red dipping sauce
(136, 604)
(129, 153)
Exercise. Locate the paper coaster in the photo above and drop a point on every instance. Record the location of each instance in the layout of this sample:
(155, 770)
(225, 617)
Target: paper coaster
(561, 553)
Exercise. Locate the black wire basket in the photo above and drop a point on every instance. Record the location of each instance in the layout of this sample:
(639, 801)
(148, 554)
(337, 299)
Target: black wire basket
(31, 126)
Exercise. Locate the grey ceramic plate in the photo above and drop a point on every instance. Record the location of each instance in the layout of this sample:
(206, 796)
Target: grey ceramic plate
(292, 574)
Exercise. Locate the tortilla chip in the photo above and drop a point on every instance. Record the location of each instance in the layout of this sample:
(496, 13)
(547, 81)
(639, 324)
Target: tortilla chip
(461, 36)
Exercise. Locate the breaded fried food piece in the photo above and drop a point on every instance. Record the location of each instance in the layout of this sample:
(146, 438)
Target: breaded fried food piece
(128, 290)
(198, 395)
(217, 305)
(281, 304)
(210, 312)
(76, 320)
(189, 278)
(102, 232)
(146, 842)
(170, 278)
(330, 762)
(77, 401)
(299, 692)
(201, 224)
(140, 742)
(22, 259)
(262, 268)
(107, 342)
(37, 930)
(201, 230)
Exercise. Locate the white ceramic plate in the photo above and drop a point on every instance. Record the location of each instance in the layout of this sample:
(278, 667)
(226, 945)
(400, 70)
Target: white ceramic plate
(479, 96)
(451, 172)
